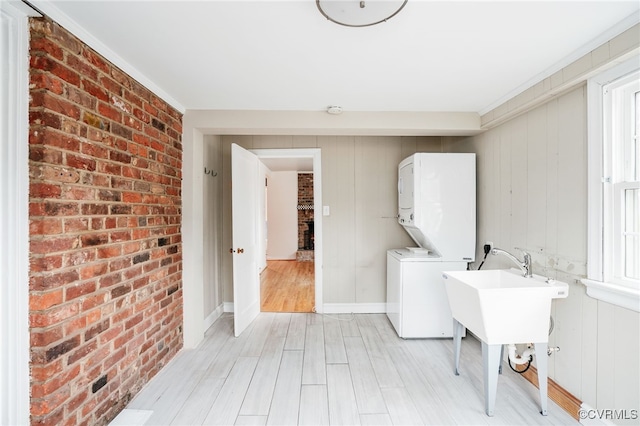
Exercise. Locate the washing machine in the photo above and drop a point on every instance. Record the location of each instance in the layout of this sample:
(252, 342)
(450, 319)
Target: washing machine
(417, 303)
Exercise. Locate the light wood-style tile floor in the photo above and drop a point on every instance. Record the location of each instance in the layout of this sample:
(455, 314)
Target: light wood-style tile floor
(310, 369)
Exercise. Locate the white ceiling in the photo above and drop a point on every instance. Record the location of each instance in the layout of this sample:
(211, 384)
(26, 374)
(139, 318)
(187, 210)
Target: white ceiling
(284, 55)
(283, 164)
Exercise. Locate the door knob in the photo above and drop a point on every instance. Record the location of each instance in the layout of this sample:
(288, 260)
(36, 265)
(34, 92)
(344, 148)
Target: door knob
(239, 251)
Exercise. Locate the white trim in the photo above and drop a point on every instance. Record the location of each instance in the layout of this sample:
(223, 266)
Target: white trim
(192, 234)
(14, 214)
(316, 155)
(606, 36)
(597, 287)
(213, 316)
(51, 10)
(615, 294)
(228, 307)
(355, 308)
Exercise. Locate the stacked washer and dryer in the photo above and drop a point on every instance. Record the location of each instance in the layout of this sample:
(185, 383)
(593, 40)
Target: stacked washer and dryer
(437, 207)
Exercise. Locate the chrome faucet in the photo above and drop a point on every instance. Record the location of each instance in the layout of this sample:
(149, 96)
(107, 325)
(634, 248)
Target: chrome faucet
(525, 265)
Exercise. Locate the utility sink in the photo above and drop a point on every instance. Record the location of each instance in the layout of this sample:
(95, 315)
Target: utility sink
(502, 307)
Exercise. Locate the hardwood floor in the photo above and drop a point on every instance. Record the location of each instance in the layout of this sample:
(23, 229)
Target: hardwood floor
(295, 368)
(287, 286)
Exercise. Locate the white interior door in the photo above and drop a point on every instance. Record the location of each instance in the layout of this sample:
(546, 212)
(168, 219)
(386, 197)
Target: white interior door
(244, 199)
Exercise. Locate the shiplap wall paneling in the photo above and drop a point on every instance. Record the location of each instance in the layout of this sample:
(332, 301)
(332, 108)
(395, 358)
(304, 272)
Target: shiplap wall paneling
(339, 238)
(370, 246)
(212, 225)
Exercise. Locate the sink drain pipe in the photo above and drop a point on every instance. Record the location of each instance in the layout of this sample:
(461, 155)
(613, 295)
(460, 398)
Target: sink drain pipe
(525, 358)
(527, 355)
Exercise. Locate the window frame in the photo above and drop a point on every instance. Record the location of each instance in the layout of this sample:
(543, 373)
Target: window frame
(603, 247)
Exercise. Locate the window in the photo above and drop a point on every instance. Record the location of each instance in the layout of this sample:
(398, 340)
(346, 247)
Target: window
(614, 188)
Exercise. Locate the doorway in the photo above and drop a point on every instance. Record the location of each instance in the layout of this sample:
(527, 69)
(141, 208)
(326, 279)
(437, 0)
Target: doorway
(291, 281)
(287, 283)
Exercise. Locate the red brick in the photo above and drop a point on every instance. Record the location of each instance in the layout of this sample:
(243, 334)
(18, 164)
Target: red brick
(62, 106)
(42, 338)
(44, 300)
(53, 316)
(91, 171)
(78, 193)
(121, 77)
(53, 244)
(80, 162)
(75, 224)
(130, 248)
(96, 60)
(54, 138)
(45, 118)
(111, 85)
(131, 172)
(109, 252)
(45, 263)
(94, 150)
(44, 154)
(119, 263)
(131, 197)
(45, 226)
(52, 385)
(80, 97)
(110, 334)
(75, 324)
(141, 139)
(150, 109)
(44, 45)
(110, 280)
(46, 405)
(43, 372)
(82, 67)
(82, 352)
(109, 112)
(79, 289)
(75, 403)
(92, 271)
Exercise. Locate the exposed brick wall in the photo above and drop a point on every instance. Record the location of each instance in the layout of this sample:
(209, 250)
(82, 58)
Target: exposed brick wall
(105, 244)
(305, 200)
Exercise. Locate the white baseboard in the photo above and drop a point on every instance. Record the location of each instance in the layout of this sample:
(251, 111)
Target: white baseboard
(213, 316)
(337, 308)
(356, 308)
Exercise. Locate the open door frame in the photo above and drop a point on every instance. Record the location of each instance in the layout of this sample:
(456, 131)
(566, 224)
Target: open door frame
(315, 154)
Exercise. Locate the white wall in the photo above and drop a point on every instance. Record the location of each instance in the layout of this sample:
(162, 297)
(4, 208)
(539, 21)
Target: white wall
(532, 193)
(282, 215)
(359, 185)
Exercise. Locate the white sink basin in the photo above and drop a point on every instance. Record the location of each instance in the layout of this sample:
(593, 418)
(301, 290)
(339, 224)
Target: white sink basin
(501, 306)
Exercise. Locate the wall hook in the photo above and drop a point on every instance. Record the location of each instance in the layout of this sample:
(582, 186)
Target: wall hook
(210, 172)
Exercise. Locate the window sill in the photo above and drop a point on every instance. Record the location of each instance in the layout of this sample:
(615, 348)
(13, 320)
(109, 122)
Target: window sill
(615, 294)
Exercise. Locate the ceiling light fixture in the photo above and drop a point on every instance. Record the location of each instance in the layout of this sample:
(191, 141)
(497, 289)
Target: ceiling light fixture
(359, 13)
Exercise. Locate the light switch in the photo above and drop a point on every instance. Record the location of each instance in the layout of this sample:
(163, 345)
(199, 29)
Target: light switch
(326, 211)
